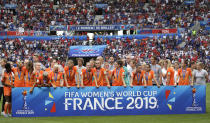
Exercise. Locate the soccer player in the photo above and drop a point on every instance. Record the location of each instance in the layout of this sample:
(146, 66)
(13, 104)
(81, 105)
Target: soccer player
(37, 72)
(19, 74)
(56, 77)
(52, 63)
(149, 76)
(108, 73)
(92, 63)
(70, 73)
(170, 75)
(29, 76)
(43, 81)
(136, 77)
(118, 75)
(184, 75)
(101, 75)
(87, 76)
(7, 81)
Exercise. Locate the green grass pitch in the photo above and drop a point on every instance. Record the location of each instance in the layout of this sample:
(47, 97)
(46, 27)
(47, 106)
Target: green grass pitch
(180, 118)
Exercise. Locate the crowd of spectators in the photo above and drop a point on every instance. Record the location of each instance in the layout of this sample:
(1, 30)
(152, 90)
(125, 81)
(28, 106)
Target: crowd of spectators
(31, 15)
(38, 15)
(195, 48)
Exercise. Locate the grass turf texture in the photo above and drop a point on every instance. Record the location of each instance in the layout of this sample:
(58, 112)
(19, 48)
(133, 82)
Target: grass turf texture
(177, 118)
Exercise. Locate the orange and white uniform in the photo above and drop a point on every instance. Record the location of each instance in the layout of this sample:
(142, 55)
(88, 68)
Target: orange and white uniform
(184, 76)
(100, 77)
(170, 72)
(7, 79)
(56, 78)
(19, 77)
(70, 75)
(29, 79)
(118, 76)
(137, 79)
(87, 77)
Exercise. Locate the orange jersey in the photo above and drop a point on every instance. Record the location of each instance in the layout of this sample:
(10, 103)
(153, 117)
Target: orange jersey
(118, 76)
(49, 69)
(170, 72)
(87, 77)
(19, 77)
(137, 78)
(44, 81)
(149, 76)
(100, 77)
(184, 76)
(7, 79)
(70, 75)
(37, 77)
(29, 79)
(56, 78)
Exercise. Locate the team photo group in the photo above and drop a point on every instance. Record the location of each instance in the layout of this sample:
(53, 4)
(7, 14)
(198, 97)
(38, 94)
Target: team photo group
(97, 72)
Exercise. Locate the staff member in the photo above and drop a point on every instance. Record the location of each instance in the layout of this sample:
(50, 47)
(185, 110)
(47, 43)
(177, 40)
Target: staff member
(2, 69)
(157, 70)
(7, 81)
(200, 76)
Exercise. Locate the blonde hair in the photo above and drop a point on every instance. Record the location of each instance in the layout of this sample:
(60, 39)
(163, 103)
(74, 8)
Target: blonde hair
(168, 63)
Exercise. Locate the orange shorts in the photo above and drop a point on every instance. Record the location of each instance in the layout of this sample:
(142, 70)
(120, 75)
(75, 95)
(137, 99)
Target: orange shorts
(7, 91)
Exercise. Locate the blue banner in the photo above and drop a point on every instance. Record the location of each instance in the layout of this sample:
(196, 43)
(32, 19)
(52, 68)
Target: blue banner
(101, 5)
(58, 28)
(92, 28)
(10, 6)
(92, 101)
(86, 51)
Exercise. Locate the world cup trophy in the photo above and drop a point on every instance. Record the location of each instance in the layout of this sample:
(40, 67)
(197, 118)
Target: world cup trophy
(24, 93)
(194, 102)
